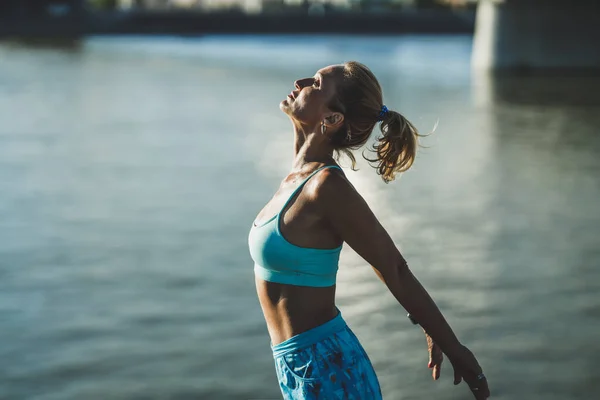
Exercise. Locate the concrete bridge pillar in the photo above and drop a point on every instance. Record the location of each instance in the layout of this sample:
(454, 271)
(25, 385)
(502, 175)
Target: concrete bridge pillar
(537, 34)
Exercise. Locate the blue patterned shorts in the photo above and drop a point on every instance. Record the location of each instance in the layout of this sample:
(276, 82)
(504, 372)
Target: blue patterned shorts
(326, 362)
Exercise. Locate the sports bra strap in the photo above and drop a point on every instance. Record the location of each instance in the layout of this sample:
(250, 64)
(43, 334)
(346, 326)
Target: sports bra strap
(302, 184)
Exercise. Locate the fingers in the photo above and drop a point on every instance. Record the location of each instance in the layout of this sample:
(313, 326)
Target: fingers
(480, 389)
(480, 393)
(457, 377)
(485, 392)
(436, 357)
(468, 369)
(437, 367)
(435, 360)
(437, 370)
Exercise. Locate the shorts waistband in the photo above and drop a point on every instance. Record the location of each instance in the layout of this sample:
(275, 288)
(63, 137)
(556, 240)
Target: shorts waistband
(311, 336)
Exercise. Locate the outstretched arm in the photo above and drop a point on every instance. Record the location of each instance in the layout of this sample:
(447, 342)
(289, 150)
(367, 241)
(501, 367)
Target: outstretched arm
(352, 219)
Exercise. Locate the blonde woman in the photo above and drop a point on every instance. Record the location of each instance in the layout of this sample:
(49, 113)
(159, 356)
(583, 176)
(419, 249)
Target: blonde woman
(296, 240)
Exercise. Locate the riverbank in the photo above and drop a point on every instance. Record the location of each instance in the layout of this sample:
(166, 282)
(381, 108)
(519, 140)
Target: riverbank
(193, 23)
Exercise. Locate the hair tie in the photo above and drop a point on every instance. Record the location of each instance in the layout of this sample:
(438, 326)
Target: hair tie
(382, 113)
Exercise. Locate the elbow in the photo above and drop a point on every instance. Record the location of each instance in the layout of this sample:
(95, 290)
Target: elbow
(402, 265)
(402, 272)
(395, 273)
(401, 269)
(399, 280)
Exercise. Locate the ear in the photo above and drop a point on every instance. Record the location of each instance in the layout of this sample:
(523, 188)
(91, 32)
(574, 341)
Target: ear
(334, 120)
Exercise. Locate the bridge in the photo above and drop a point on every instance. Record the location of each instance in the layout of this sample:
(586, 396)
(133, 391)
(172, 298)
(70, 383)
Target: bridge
(508, 34)
(537, 34)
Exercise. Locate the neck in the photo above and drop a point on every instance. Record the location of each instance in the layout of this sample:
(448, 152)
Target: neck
(310, 145)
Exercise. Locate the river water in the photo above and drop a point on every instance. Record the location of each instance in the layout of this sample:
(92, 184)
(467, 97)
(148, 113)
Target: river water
(132, 168)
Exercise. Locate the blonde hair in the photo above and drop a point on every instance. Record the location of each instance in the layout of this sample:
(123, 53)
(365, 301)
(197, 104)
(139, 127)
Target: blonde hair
(359, 98)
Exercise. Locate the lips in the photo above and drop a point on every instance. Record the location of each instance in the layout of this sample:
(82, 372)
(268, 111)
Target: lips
(292, 95)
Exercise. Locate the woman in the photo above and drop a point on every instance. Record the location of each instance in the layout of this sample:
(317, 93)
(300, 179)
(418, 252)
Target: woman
(296, 241)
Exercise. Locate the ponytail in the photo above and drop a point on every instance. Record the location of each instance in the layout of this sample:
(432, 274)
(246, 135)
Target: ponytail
(360, 98)
(396, 149)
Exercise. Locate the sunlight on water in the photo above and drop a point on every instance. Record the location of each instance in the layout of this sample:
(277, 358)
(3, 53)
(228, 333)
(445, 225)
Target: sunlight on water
(131, 170)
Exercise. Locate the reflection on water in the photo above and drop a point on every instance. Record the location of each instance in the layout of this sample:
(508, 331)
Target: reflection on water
(131, 170)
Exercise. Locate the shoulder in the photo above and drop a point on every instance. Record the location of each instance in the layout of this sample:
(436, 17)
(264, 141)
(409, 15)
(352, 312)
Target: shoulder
(350, 217)
(330, 186)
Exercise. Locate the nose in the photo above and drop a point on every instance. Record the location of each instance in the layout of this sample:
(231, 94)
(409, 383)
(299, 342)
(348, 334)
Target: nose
(301, 83)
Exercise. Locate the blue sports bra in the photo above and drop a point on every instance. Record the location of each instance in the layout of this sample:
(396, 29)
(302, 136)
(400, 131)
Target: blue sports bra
(277, 260)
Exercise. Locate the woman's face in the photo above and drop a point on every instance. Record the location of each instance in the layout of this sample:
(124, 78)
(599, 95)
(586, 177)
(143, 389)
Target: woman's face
(308, 102)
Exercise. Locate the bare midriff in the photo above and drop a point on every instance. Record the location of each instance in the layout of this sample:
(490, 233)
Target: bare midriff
(290, 310)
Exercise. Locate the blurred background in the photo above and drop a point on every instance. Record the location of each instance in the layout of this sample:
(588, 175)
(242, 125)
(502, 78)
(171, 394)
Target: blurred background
(139, 139)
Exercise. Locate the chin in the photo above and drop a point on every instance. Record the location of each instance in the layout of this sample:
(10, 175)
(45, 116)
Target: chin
(284, 106)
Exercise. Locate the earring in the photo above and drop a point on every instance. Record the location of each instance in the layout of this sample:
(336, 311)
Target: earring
(348, 135)
(323, 128)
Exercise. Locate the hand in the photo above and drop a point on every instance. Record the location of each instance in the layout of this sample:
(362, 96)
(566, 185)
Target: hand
(467, 368)
(435, 358)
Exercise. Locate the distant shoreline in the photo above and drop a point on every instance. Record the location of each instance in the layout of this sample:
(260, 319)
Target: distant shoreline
(192, 23)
